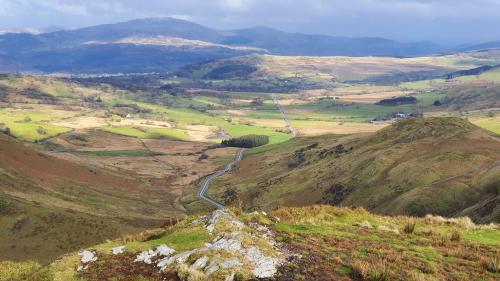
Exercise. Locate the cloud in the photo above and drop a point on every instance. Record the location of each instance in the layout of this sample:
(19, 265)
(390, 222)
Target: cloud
(183, 17)
(65, 7)
(235, 5)
(463, 20)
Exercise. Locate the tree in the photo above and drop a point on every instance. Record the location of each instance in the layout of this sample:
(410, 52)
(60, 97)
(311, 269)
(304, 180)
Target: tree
(41, 130)
(247, 141)
(257, 101)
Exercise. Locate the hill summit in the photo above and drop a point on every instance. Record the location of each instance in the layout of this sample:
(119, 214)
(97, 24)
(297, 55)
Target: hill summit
(441, 166)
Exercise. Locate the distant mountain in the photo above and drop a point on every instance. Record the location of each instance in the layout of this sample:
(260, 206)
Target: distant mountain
(108, 48)
(482, 46)
(283, 43)
(103, 48)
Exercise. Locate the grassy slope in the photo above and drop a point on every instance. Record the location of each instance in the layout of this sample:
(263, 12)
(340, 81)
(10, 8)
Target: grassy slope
(394, 171)
(472, 97)
(51, 206)
(324, 70)
(333, 244)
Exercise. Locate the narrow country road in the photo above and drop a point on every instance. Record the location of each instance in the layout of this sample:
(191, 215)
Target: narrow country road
(209, 179)
(239, 155)
(285, 118)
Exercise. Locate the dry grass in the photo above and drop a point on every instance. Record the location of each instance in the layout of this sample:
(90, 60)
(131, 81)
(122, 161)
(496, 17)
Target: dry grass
(143, 236)
(409, 227)
(456, 236)
(491, 264)
(464, 222)
(186, 273)
(376, 270)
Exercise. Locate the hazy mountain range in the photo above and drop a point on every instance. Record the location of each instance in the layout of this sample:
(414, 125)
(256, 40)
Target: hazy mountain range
(165, 44)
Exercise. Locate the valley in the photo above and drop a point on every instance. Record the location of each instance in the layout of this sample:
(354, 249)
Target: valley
(328, 164)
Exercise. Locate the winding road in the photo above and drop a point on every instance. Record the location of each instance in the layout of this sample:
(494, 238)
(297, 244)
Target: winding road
(209, 179)
(239, 155)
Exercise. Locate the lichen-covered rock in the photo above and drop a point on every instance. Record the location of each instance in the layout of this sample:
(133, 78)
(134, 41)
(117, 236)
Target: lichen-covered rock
(200, 263)
(236, 247)
(117, 250)
(145, 256)
(230, 242)
(222, 216)
(87, 256)
(231, 263)
(264, 267)
(211, 268)
(164, 250)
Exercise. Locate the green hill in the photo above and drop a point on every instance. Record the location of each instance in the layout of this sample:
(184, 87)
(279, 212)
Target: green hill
(311, 243)
(442, 166)
(50, 206)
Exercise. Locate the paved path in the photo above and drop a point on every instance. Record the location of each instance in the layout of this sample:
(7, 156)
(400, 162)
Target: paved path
(239, 155)
(285, 118)
(209, 179)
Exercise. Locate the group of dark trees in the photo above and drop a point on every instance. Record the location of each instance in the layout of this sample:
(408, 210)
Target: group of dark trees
(398, 101)
(257, 101)
(474, 71)
(230, 71)
(247, 141)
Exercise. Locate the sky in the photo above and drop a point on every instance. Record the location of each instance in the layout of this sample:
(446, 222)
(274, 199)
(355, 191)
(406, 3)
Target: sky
(446, 22)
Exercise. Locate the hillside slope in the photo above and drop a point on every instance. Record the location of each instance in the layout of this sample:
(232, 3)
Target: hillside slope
(442, 166)
(318, 72)
(315, 243)
(50, 206)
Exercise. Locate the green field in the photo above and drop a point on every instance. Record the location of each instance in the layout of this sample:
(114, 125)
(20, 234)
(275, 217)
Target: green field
(30, 125)
(241, 130)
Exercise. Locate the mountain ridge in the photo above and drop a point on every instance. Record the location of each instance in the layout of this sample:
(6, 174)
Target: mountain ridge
(35, 52)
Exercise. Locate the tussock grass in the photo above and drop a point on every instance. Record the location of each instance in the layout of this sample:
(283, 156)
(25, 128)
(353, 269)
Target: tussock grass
(189, 274)
(491, 264)
(409, 227)
(371, 271)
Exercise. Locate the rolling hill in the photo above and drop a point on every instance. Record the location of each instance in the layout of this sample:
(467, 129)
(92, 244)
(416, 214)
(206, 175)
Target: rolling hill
(50, 206)
(284, 73)
(442, 166)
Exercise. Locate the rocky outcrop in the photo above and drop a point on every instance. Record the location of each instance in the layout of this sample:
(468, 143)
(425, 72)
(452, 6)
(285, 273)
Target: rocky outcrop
(237, 248)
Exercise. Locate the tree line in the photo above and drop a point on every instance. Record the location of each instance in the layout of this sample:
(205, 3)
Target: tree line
(247, 141)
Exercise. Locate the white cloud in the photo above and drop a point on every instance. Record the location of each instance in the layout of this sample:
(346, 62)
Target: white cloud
(236, 5)
(65, 7)
(183, 17)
